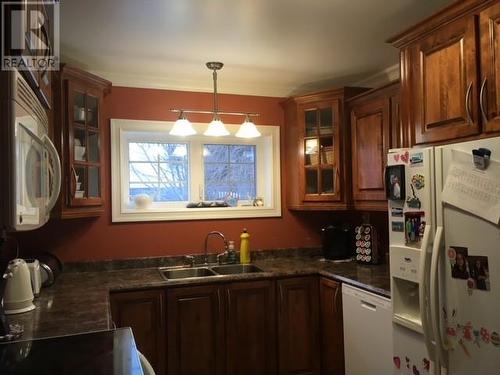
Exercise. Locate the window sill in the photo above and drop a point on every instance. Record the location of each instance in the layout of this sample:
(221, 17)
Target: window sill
(134, 215)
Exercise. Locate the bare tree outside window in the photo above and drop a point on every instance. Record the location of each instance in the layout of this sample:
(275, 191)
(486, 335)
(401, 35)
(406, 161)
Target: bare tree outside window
(159, 170)
(229, 171)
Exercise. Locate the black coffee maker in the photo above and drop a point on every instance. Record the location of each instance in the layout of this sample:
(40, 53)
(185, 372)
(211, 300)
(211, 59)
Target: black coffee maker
(337, 242)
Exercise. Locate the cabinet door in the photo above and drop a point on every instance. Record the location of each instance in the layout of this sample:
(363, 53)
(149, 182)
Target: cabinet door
(85, 183)
(332, 336)
(490, 68)
(144, 312)
(251, 328)
(444, 87)
(298, 326)
(195, 330)
(370, 136)
(320, 123)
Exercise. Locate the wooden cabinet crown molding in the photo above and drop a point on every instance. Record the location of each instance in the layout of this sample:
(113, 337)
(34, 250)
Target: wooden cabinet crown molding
(439, 19)
(89, 78)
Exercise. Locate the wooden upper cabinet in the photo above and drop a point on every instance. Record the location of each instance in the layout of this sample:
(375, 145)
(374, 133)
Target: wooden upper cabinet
(144, 312)
(251, 328)
(332, 331)
(489, 20)
(195, 330)
(78, 137)
(445, 83)
(298, 326)
(373, 124)
(317, 150)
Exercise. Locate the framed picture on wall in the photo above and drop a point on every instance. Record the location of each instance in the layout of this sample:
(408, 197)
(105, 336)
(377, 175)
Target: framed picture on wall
(395, 182)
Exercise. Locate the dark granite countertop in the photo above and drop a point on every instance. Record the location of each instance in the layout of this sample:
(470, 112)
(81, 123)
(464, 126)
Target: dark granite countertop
(79, 301)
(108, 352)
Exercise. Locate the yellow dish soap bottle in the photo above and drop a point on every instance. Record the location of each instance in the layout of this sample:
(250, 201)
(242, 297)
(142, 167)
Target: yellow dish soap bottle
(245, 247)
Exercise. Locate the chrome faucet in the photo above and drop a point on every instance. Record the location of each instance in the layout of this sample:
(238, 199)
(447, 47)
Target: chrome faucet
(213, 233)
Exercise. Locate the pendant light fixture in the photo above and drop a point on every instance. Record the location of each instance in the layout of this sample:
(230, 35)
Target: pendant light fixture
(182, 127)
(216, 128)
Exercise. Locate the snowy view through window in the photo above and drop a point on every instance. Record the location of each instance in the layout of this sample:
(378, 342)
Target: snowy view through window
(159, 170)
(229, 171)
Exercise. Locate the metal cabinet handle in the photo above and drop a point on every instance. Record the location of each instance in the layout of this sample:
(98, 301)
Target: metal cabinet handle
(481, 101)
(228, 303)
(219, 302)
(335, 299)
(467, 103)
(281, 297)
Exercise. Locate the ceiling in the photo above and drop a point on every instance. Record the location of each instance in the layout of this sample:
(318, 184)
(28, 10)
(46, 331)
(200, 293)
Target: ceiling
(269, 47)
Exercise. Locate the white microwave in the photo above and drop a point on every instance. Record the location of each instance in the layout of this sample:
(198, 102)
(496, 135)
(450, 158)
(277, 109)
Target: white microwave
(30, 168)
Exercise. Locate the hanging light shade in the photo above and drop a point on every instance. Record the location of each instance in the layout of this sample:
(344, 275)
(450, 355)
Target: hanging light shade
(216, 128)
(182, 127)
(248, 129)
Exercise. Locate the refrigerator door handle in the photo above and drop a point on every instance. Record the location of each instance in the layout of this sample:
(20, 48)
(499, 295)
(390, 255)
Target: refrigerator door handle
(423, 295)
(441, 349)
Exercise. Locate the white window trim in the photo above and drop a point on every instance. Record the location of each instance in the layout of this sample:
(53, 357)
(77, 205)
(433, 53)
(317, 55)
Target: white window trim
(120, 210)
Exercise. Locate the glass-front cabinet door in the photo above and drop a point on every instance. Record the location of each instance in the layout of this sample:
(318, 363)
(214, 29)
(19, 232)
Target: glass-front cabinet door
(85, 169)
(320, 124)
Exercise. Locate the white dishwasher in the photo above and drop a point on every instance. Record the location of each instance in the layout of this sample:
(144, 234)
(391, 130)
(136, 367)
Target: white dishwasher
(367, 332)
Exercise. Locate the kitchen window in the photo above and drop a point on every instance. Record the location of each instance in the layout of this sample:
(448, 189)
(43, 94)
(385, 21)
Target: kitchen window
(156, 176)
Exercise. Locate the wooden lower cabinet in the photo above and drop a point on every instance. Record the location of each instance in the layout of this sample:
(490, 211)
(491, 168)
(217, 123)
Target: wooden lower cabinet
(144, 312)
(195, 330)
(251, 328)
(284, 326)
(332, 335)
(298, 326)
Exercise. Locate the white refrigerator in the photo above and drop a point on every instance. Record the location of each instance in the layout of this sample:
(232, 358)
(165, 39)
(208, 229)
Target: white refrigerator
(444, 210)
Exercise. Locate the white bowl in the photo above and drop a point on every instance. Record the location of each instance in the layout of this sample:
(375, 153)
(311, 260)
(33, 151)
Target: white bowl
(79, 194)
(142, 201)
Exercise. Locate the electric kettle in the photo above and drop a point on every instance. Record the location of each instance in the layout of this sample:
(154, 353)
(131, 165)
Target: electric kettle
(18, 295)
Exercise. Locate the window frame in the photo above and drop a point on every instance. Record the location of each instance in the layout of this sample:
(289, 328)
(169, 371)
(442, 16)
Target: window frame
(267, 146)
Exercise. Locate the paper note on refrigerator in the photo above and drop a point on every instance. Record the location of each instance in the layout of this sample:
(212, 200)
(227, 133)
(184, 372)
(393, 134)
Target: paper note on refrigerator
(472, 190)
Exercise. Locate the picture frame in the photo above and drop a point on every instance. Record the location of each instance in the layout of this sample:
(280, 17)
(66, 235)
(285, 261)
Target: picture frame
(395, 182)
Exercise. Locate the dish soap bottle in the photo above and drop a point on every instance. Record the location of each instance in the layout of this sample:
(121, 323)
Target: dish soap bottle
(231, 254)
(245, 247)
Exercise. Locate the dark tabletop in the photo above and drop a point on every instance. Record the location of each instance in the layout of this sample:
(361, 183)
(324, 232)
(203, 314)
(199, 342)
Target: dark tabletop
(108, 352)
(79, 301)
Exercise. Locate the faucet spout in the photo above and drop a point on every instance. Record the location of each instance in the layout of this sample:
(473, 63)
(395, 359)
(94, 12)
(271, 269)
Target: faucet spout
(213, 233)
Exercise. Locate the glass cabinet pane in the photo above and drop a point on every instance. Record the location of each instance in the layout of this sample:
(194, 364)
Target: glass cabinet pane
(79, 107)
(311, 181)
(311, 118)
(325, 121)
(328, 181)
(92, 111)
(93, 147)
(80, 182)
(326, 150)
(79, 144)
(94, 182)
(311, 152)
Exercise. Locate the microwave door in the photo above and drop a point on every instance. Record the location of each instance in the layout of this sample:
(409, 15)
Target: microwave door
(31, 180)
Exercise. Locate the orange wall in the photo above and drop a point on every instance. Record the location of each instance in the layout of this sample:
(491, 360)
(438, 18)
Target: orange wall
(97, 239)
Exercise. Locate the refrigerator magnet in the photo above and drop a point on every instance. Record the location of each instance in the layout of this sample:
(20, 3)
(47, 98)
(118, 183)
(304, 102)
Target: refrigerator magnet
(418, 181)
(414, 226)
(395, 182)
(417, 159)
(397, 211)
(397, 226)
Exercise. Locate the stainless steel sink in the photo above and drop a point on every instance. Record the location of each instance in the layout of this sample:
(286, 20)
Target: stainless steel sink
(186, 273)
(233, 269)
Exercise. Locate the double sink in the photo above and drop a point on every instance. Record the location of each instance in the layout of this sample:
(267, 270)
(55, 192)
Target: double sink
(176, 273)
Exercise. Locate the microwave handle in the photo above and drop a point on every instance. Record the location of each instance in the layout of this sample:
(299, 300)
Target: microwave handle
(57, 173)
